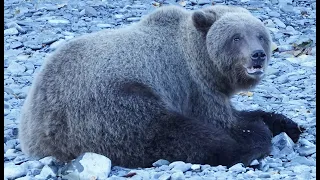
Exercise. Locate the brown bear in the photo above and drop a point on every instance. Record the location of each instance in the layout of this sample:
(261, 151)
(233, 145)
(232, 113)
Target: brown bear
(157, 89)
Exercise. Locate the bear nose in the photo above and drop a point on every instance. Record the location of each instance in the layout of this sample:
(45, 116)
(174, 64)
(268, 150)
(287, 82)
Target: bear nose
(258, 55)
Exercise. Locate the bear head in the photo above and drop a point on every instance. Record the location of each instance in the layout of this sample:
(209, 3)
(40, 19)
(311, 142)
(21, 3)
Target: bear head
(238, 44)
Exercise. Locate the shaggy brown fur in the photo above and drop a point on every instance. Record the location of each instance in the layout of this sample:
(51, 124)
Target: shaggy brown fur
(158, 89)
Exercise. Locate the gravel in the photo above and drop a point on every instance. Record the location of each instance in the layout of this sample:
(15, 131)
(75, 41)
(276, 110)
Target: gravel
(33, 29)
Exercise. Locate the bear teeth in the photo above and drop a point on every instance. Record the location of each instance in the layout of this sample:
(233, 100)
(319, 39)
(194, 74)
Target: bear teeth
(255, 69)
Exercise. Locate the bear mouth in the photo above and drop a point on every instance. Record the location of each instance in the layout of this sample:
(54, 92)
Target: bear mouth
(255, 70)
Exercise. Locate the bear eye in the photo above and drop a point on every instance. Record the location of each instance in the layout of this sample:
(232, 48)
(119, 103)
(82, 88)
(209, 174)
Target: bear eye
(261, 37)
(236, 39)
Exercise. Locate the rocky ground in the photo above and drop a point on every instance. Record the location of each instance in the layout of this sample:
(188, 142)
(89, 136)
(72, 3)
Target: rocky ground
(34, 28)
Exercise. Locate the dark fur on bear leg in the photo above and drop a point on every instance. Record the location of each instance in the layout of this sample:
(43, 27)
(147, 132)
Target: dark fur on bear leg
(277, 123)
(194, 141)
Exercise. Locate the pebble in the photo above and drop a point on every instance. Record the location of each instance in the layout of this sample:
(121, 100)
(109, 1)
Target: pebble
(11, 31)
(16, 45)
(165, 176)
(104, 25)
(160, 162)
(238, 168)
(16, 68)
(274, 14)
(195, 167)
(264, 175)
(58, 21)
(279, 23)
(177, 176)
(203, 2)
(49, 160)
(90, 11)
(47, 172)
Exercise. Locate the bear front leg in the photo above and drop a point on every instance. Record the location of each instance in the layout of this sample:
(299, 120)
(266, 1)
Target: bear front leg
(277, 123)
(177, 137)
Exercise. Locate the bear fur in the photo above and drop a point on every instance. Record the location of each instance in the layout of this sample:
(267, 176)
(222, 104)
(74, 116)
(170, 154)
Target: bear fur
(157, 89)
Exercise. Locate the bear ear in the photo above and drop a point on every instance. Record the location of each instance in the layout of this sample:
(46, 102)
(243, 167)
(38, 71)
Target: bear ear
(203, 20)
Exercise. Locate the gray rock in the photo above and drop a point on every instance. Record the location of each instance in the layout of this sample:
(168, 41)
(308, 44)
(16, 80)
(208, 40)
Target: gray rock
(90, 11)
(264, 175)
(177, 176)
(306, 148)
(86, 166)
(47, 172)
(300, 168)
(20, 159)
(57, 44)
(34, 45)
(16, 45)
(133, 19)
(307, 151)
(82, 13)
(165, 176)
(269, 23)
(195, 167)
(164, 168)
(180, 166)
(16, 68)
(49, 160)
(119, 16)
(12, 171)
(282, 141)
(238, 168)
(160, 162)
(279, 22)
(34, 164)
(11, 31)
(25, 178)
(203, 2)
(301, 160)
(254, 163)
(15, 25)
(104, 25)
(58, 21)
(274, 14)
(206, 166)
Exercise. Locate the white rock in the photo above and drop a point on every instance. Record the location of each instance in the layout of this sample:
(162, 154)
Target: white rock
(254, 162)
(165, 176)
(11, 31)
(269, 23)
(16, 68)
(47, 160)
(104, 25)
(14, 171)
(46, 172)
(177, 176)
(301, 168)
(118, 16)
(58, 21)
(279, 23)
(195, 166)
(180, 166)
(87, 166)
(56, 44)
(202, 2)
(25, 178)
(160, 162)
(238, 168)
